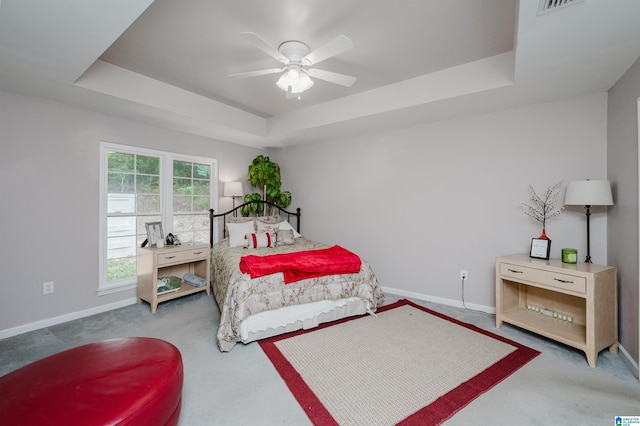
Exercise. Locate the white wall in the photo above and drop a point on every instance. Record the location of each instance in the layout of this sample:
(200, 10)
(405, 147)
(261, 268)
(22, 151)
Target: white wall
(49, 164)
(422, 203)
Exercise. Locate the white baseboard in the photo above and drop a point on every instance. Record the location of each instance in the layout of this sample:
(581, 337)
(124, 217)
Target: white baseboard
(9, 332)
(440, 300)
(633, 366)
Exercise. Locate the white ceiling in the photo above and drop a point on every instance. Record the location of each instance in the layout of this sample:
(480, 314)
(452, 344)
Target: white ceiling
(166, 62)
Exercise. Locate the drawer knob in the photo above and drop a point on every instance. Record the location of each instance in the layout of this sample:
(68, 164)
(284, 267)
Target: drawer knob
(197, 252)
(514, 271)
(169, 257)
(563, 281)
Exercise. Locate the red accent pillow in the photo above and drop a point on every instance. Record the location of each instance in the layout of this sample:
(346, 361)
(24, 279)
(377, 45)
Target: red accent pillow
(261, 240)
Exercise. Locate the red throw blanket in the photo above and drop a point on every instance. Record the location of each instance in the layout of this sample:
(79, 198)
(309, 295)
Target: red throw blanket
(302, 264)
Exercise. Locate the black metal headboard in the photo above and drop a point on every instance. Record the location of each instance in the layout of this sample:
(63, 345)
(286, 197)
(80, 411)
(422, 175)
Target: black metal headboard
(232, 212)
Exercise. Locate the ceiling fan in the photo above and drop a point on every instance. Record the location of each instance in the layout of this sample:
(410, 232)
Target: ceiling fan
(297, 57)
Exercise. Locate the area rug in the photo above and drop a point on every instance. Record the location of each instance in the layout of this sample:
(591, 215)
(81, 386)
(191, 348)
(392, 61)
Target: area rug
(406, 365)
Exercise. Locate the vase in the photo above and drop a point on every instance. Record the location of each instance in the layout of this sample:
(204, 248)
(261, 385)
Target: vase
(543, 236)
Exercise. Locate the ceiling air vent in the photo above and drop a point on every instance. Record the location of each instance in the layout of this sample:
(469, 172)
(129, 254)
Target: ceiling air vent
(547, 6)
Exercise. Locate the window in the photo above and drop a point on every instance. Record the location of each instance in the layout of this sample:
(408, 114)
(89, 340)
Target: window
(138, 186)
(133, 198)
(191, 200)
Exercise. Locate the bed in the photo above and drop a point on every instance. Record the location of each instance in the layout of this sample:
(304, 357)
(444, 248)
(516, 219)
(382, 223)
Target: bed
(256, 307)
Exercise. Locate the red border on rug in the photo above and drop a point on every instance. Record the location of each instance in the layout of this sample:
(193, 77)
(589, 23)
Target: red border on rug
(435, 413)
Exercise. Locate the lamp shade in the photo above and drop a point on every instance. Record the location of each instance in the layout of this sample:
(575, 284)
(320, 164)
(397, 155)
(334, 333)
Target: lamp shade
(588, 193)
(233, 189)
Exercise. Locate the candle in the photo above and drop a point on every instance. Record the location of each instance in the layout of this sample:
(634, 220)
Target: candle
(569, 255)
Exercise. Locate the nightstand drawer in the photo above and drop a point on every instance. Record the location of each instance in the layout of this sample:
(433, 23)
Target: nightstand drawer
(181, 256)
(548, 278)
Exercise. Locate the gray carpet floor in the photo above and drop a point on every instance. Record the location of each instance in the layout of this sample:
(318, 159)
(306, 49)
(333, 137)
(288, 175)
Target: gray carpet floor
(243, 388)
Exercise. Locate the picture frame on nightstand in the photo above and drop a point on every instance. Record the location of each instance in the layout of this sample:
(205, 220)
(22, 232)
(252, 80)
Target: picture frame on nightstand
(154, 233)
(540, 248)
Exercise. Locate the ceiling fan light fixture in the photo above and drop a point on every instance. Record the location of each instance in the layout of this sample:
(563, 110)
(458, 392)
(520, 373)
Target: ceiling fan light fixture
(304, 83)
(296, 56)
(289, 78)
(296, 79)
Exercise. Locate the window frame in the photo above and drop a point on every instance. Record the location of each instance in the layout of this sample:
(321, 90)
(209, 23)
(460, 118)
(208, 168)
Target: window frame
(166, 202)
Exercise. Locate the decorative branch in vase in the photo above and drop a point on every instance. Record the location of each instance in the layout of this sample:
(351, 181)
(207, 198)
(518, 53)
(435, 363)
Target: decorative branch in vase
(542, 209)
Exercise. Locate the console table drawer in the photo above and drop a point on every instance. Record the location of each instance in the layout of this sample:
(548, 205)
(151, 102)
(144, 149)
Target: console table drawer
(566, 282)
(552, 279)
(190, 255)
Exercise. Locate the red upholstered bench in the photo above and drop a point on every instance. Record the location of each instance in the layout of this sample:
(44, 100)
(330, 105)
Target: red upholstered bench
(131, 381)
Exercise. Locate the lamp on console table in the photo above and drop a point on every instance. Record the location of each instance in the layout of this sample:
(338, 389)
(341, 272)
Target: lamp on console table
(588, 193)
(233, 190)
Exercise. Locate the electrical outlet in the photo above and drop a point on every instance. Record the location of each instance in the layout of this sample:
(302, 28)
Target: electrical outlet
(47, 287)
(464, 274)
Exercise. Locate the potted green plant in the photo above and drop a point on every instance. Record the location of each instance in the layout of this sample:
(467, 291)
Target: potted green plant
(264, 174)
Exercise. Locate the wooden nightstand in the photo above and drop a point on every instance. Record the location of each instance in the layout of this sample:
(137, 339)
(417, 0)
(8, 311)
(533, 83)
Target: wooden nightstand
(171, 261)
(529, 292)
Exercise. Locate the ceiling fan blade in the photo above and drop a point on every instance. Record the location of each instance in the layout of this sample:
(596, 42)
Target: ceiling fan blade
(256, 73)
(257, 41)
(332, 77)
(340, 44)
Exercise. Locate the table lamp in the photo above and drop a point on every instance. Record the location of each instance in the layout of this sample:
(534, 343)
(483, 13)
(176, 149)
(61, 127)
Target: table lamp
(233, 190)
(588, 193)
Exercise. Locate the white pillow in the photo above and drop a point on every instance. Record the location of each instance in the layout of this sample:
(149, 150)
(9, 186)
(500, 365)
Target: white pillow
(284, 225)
(237, 231)
(239, 219)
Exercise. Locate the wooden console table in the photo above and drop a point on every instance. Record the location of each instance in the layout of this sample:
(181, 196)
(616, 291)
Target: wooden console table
(575, 304)
(171, 260)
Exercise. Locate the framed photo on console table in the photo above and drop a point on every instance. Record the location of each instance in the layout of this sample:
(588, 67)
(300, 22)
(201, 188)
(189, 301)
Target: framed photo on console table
(154, 233)
(540, 248)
